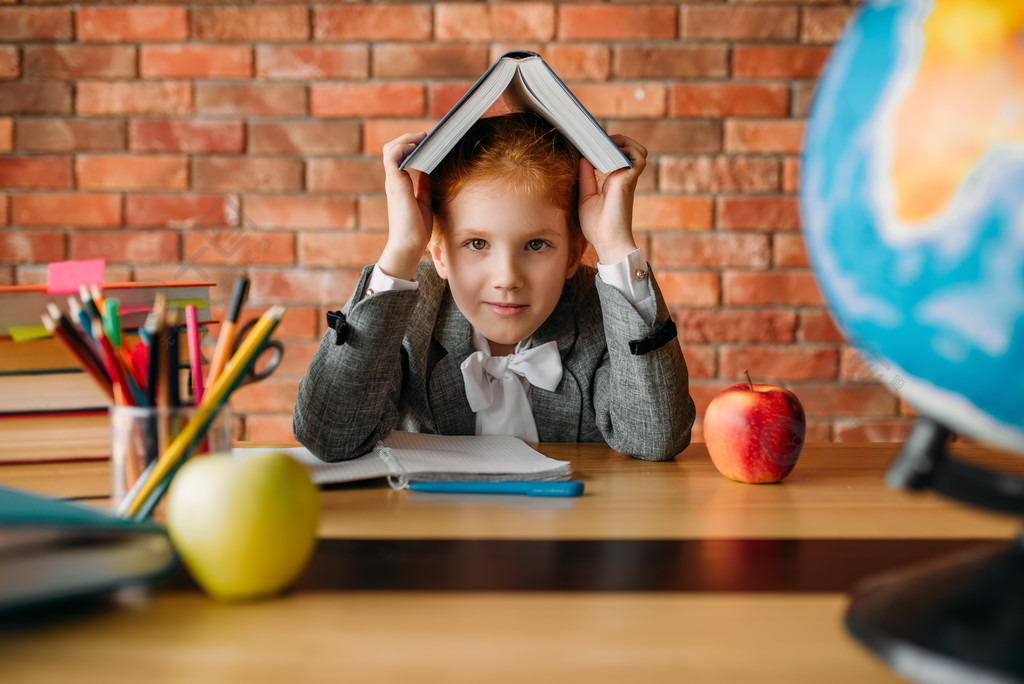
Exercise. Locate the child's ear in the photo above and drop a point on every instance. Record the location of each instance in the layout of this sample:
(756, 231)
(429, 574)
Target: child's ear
(573, 267)
(438, 255)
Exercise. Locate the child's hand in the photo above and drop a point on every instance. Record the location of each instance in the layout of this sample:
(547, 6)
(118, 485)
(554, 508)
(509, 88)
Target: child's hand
(410, 220)
(607, 216)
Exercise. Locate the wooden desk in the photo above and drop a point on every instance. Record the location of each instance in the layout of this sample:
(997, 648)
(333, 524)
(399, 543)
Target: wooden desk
(661, 572)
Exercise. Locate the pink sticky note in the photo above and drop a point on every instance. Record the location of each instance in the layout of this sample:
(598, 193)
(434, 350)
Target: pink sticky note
(64, 277)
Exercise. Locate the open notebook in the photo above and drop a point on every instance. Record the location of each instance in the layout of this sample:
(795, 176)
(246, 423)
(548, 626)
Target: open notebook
(410, 456)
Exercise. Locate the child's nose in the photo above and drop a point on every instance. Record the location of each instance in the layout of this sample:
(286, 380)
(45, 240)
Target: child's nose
(507, 272)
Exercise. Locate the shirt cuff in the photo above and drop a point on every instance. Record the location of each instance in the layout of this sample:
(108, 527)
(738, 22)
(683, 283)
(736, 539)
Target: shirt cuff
(379, 281)
(631, 277)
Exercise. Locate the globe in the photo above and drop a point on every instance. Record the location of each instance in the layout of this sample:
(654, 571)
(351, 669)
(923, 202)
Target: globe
(912, 203)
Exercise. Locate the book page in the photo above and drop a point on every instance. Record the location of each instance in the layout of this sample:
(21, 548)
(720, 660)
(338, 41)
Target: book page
(429, 457)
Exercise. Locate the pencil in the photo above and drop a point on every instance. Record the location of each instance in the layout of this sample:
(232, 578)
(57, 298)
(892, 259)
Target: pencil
(82, 354)
(90, 306)
(113, 365)
(79, 315)
(173, 358)
(191, 435)
(195, 360)
(226, 338)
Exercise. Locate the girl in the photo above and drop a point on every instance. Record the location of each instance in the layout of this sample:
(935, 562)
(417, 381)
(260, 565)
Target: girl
(504, 331)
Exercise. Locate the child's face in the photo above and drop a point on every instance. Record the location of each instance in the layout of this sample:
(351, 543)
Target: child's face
(506, 258)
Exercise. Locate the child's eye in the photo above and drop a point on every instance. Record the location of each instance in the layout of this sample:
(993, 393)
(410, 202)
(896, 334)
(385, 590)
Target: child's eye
(536, 245)
(477, 244)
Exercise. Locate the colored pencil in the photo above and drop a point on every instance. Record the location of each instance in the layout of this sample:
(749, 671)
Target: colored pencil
(76, 347)
(191, 435)
(195, 359)
(226, 338)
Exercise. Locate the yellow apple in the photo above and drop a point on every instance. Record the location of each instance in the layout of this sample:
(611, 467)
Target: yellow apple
(244, 527)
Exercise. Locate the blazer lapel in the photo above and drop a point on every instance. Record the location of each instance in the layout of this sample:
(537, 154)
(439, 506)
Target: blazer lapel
(448, 403)
(565, 404)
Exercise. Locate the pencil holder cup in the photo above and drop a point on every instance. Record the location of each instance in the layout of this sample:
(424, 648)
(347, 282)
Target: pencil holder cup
(140, 434)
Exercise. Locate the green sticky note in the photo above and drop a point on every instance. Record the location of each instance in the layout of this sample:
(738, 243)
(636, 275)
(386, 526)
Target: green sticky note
(23, 333)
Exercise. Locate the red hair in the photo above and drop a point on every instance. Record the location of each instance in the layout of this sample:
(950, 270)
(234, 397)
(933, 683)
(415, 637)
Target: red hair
(525, 153)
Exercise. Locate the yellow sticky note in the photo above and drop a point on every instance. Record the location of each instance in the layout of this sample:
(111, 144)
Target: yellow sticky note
(23, 333)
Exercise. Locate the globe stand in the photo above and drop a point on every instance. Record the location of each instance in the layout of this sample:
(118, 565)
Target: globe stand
(959, 618)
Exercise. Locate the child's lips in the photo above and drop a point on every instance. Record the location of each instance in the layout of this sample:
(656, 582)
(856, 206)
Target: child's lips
(505, 308)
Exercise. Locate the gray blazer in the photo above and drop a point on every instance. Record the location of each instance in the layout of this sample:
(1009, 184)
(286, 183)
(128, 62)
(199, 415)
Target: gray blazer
(393, 362)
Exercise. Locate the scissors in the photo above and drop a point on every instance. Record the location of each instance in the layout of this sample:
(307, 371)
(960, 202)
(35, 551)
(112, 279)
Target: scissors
(259, 370)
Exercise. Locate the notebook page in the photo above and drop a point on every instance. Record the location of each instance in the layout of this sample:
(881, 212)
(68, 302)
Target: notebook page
(429, 457)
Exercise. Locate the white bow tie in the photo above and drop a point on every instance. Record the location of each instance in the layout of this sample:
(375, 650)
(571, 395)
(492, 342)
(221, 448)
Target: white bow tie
(496, 392)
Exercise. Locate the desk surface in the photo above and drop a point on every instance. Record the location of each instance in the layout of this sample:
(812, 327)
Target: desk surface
(661, 572)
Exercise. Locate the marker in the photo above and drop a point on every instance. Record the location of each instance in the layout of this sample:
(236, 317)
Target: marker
(563, 488)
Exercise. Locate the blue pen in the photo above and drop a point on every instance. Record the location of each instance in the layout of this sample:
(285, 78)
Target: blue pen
(563, 488)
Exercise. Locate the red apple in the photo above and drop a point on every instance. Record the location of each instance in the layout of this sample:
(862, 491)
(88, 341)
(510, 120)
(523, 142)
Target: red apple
(754, 433)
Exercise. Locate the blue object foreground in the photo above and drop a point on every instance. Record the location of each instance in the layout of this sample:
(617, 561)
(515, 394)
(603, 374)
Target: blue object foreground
(566, 488)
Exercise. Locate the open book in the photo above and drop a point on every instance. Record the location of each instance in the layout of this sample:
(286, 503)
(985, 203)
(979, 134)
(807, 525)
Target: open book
(411, 456)
(527, 83)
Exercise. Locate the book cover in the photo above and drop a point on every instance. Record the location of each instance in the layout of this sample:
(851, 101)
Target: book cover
(526, 82)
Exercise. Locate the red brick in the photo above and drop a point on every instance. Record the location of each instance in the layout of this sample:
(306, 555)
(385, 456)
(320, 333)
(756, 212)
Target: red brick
(703, 22)
(68, 135)
(788, 251)
(803, 92)
(273, 394)
(304, 137)
(442, 96)
(856, 366)
(757, 213)
(778, 61)
(301, 211)
(661, 212)
(303, 286)
(379, 132)
(718, 174)
(373, 213)
(727, 99)
(250, 24)
(196, 61)
(10, 62)
(131, 24)
(817, 326)
(31, 246)
(345, 175)
(23, 24)
(340, 249)
(701, 361)
(389, 98)
(829, 399)
(184, 135)
(239, 246)
(7, 275)
(69, 62)
(670, 61)
(481, 23)
(824, 24)
(404, 60)
(269, 427)
(703, 391)
(63, 209)
(778, 363)
(372, 23)
(177, 210)
(791, 174)
(126, 246)
(251, 99)
(634, 100)
(616, 22)
(764, 137)
(301, 62)
(665, 136)
(872, 430)
(22, 98)
(123, 172)
(713, 326)
(118, 98)
(689, 288)
(794, 288)
(35, 172)
(254, 174)
(571, 61)
(710, 250)
(6, 134)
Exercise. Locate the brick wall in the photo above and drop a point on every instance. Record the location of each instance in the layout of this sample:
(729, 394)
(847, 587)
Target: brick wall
(191, 141)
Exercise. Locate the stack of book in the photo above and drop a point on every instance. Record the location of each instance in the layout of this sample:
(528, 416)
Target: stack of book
(50, 409)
